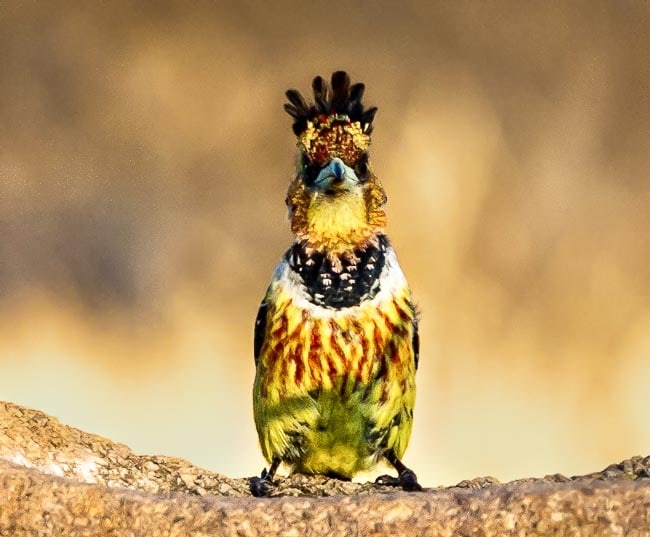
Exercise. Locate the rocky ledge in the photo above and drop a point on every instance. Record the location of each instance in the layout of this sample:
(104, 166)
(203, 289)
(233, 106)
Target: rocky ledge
(58, 480)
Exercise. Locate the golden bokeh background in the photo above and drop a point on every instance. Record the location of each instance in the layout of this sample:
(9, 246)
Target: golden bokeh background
(144, 159)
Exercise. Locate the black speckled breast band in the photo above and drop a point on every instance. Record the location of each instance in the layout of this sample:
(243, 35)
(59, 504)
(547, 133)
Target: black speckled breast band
(356, 280)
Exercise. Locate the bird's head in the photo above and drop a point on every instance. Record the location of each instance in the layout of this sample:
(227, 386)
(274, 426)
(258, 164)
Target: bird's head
(335, 201)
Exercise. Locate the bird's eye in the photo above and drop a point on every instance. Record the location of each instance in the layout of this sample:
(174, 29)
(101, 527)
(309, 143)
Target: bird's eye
(361, 167)
(309, 171)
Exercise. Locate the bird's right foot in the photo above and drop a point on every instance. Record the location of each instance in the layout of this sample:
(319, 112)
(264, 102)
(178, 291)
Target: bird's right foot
(262, 486)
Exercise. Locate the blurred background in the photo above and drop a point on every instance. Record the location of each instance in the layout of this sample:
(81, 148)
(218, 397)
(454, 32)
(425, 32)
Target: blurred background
(144, 160)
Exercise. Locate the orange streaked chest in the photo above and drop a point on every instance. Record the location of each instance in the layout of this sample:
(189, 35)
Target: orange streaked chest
(310, 348)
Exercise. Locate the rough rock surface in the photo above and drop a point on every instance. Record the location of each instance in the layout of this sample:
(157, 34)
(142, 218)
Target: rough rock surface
(57, 480)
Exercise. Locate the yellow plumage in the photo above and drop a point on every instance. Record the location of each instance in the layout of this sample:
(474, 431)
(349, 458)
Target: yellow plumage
(336, 223)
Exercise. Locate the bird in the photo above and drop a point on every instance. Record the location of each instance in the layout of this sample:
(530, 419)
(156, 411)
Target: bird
(336, 342)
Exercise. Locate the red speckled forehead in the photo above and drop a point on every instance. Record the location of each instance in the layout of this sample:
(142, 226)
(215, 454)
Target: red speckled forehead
(333, 136)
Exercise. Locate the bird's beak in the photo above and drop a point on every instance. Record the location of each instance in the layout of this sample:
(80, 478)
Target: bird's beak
(336, 177)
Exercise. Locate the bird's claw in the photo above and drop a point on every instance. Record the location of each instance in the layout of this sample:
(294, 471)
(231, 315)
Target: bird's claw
(261, 487)
(387, 481)
(406, 479)
(409, 481)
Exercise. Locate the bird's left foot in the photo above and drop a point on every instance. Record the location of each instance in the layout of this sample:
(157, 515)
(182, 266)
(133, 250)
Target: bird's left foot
(406, 477)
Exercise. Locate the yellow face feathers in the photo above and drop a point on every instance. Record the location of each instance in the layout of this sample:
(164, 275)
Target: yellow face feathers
(336, 222)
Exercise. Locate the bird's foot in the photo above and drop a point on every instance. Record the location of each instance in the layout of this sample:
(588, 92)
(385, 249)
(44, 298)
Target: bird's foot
(406, 479)
(262, 486)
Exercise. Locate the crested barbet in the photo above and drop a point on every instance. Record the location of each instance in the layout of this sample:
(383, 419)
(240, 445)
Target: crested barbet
(336, 336)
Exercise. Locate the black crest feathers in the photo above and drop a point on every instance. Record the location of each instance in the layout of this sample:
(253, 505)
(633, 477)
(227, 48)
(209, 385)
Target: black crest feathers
(338, 97)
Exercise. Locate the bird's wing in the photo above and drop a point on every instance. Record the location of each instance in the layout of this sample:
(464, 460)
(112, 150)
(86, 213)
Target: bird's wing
(260, 330)
(416, 344)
